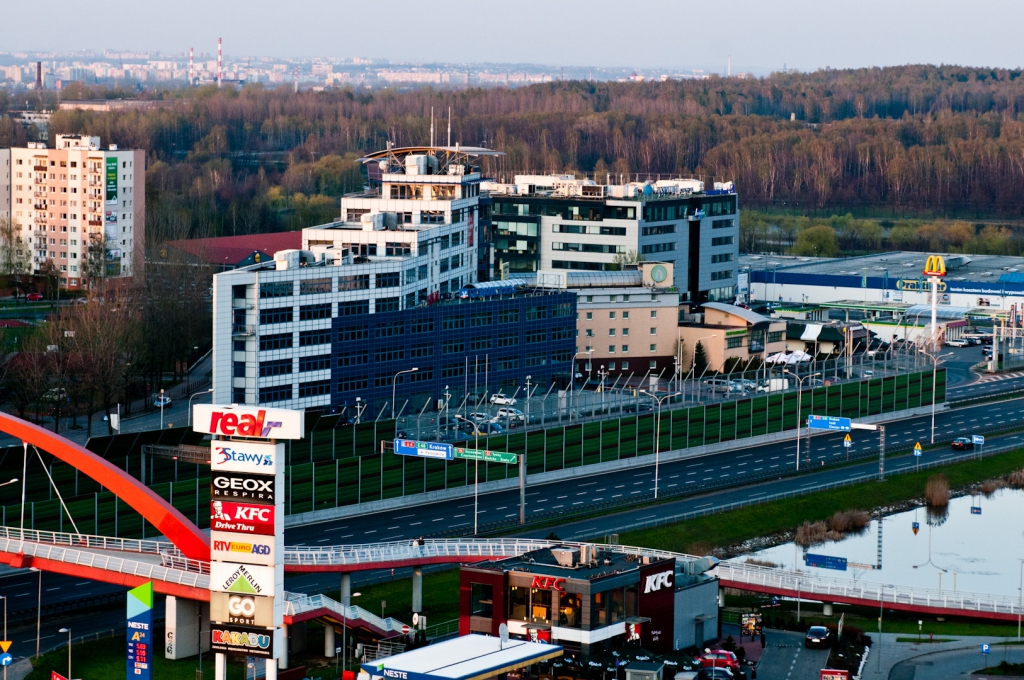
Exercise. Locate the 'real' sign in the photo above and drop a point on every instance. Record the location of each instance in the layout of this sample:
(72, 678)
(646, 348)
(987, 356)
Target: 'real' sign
(249, 421)
(260, 458)
(242, 518)
(239, 486)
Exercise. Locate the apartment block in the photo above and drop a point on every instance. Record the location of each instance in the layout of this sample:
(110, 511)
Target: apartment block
(542, 222)
(75, 208)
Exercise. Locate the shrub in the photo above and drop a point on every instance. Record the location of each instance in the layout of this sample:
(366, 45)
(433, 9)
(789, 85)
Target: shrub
(936, 491)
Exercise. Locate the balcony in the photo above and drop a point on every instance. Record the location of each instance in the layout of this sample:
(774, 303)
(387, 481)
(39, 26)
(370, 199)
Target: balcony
(242, 330)
(39, 168)
(95, 223)
(241, 303)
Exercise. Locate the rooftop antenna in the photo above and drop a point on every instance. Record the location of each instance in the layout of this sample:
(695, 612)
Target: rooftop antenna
(220, 62)
(431, 127)
(449, 126)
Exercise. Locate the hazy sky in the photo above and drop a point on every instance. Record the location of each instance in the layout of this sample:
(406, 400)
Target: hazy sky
(761, 35)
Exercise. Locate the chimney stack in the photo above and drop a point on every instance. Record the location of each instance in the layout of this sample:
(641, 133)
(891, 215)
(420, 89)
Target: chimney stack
(191, 67)
(39, 75)
(220, 62)
(295, 76)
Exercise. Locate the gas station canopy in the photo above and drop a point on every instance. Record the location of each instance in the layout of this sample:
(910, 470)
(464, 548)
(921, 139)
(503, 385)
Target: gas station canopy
(469, 657)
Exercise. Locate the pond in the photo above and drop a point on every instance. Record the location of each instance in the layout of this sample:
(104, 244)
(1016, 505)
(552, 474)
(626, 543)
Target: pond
(976, 545)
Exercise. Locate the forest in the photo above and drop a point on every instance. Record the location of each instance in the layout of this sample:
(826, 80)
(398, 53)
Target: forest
(948, 141)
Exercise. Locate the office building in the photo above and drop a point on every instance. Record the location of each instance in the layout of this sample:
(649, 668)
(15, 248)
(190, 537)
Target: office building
(542, 222)
(592, 600)
(733, 338)
(375, 294)
(5, 184)
(75, 209)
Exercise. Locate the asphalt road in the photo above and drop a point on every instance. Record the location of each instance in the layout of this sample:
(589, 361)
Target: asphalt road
(956, 663)
(786, 658)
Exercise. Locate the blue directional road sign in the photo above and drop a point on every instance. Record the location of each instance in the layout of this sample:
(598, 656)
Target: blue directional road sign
(6, 659)
(825, 562)
(411, 447)
(985, 648)
(975, 509)
(828, 423)
(977, 439)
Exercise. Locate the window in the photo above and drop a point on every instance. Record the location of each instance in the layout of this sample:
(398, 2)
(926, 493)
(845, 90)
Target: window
(389, 330)
(561, 356)
(536, 313)
(611, 365)
(590, 315)
(721, 224)
(654, 313)
(453, 347)
(277, 367)
(722, 275)
(775, 336)
(534, 337)
(275, 393)
(276, 315)
(590, 332)
(654, 347)
(276, 289)
(352, 384)
(733, 343)
(279, 341)
(311, 286)
(536, 359)
(444, 241)
(611, 332)
(353, 308)
(721, 257)
(588, 229)
(611, 315)
(625, 348)
(350, 333)
(387, 280)
(311, 312)
(482, 600)
(561, 334)
(317, 337)
(625, 331)
(480, 319)
(422, 375)
(350, 359)
(314, 389)
(658, 230)
(422, 326)
(540, 606)
(421, 350)
(388, 304)
(382, 355)
(723, 240)
(480, 343)
(356, 282)
(430, 217)
(653, 365)
(657, 248)
(585, 247)
(654, 331)
(506, 364)
(238, 369)
(508, 316)
(451, 323)
(452, 370)
(238, 395)
(519, 602)
(508, 340)
(611, 349)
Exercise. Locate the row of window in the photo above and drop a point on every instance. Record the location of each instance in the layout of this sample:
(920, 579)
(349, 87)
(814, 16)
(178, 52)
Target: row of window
(721, 257)
(278, 289)
(586, 247)
(285, 340)
(723, 240)
(569, 212)
(624, 348)
(593, 229)
(625, 314)
(649, 248)
(721, 275)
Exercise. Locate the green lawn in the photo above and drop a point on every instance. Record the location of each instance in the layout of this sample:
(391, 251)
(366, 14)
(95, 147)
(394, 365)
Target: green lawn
(440, 597)
(701, 535)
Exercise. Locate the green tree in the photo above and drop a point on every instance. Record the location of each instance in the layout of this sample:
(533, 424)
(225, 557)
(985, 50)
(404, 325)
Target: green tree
(700, 360)
(818, 241)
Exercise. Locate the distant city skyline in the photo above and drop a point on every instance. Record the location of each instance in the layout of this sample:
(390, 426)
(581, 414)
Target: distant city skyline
(759, 37)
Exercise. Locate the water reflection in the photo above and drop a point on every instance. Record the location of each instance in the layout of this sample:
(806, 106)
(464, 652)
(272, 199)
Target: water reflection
(973, 544)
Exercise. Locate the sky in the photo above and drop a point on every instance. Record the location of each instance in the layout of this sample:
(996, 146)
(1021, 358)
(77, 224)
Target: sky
(760, 35)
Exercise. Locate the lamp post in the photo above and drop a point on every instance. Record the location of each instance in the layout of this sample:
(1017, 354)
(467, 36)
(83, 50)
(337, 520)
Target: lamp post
(529, 395)
(799, 412)
(10, 481)
(161, 408)
(602, 374)
(39, 607)
(190, 404)
(344, 629)
(4, 598)
(657, 434)
(68, 631)
(394, 386)
(572, 383)
(935, 368)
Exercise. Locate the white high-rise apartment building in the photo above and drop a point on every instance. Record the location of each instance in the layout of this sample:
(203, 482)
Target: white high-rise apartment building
(76, 207)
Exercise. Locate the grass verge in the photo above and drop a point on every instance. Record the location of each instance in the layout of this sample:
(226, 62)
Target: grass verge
(925, 640)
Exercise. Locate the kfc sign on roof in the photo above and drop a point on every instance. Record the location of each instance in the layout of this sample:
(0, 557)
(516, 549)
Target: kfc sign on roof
(249, 421)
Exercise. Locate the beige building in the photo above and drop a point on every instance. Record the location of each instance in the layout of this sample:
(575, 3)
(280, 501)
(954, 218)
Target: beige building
(730, 332)
(76, 207)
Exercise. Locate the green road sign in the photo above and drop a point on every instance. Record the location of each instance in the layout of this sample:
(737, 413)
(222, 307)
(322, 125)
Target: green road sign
(489, 456)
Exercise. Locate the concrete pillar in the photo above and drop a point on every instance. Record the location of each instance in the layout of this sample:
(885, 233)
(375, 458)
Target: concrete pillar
(417, 589)
(282, 661)
(187, 625)
(826, 610)
(329, 645)
(220, 666)
(346, 588)
(271, 670)
(721, 597)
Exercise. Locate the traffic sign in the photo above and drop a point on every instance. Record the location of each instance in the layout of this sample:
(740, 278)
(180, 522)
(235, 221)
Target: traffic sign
(833, 423)
(847, 441)
(977, 439)
(5, 646)
(489, 456)
(825, 562)
(915, 527)
(917, 449)
(975, 509)
(411, 447)
(985, 648)
(6, 659)
(405, 629)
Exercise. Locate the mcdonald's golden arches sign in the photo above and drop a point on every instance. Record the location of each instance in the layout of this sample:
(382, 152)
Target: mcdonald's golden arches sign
(935, 266)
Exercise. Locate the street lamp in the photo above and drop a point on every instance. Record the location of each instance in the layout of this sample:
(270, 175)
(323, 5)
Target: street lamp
(935, 369)
(13, 481)
(394, 385)
(190, 404)
(161, 408)
(799, 412)
(657, 434)
(529, 394)
(572, 382)
(68, 631)
(344, 629)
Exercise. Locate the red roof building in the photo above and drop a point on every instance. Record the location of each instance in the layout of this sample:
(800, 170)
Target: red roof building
(231, 252)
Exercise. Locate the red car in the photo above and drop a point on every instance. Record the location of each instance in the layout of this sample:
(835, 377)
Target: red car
(34, 297)
(718, 658)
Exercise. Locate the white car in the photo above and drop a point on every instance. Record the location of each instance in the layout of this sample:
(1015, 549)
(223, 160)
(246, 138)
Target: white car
(510, 413)
(500, 398)
(959, 342)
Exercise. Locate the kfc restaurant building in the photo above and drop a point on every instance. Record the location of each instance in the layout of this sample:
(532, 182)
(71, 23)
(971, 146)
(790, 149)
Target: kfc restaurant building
(587, 599)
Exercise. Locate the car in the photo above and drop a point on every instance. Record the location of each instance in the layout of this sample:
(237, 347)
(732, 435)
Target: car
(161, 401)
(815, 382)
(718, 658)
(510, 414)
(974, 341)
(484, 429)
(479, 417)
(717, 385)
(747, 384)
(958, 342)
(818, 636)
(34, 297)
(501, 398)
(716, 673)
(55, 394)
(962, 444)
(81, 301)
